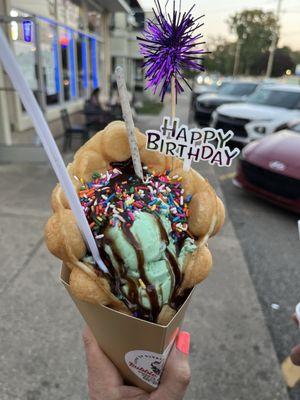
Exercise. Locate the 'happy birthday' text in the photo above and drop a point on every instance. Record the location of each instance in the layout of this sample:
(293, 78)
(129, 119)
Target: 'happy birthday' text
(195, 144)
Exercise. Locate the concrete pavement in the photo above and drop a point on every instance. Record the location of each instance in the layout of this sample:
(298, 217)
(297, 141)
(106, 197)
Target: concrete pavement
(232, 356)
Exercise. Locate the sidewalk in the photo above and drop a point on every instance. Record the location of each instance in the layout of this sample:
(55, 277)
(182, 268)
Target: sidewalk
(232, 356)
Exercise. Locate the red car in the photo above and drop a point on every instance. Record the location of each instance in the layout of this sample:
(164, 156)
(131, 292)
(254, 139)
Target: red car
(270, 168)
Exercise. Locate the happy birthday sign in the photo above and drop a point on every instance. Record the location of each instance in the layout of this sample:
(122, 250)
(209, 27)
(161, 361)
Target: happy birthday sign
(192, 144)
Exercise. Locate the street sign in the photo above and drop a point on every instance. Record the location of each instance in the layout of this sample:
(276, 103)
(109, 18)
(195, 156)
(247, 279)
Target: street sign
(297, 70)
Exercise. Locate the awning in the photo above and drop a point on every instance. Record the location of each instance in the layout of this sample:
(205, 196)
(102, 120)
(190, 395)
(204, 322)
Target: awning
(135, 5)
(113, 5)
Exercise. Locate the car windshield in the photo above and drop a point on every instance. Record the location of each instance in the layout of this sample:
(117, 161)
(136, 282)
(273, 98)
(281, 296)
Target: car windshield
(238, 89)
(212, 86)
(276, 98)
(296, 128)
(222, 85)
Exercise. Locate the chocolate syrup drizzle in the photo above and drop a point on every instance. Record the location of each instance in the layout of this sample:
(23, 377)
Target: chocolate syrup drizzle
(119, 278)
(172, 262)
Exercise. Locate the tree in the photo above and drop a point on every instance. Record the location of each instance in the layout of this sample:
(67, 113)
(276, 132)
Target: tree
(296, 57)
(221, 58)
(283, 60)
(254, 29)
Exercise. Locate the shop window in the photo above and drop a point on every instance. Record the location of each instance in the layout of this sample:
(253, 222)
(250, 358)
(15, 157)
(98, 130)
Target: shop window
(73, 72)
(70, 60)
(50, 62)
(68, 53)
(94, 21)
(25, 52)
(82, 65)
(64, 41)
(94, 62)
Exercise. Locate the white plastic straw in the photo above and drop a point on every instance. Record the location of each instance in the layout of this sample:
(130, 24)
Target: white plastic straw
(13, 70)
(297, 311)
(127, 115)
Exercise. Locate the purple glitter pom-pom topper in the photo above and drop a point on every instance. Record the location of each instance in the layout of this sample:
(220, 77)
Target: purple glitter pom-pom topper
(169, 45)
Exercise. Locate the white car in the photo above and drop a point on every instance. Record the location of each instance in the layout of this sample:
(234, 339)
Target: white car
(266, 111)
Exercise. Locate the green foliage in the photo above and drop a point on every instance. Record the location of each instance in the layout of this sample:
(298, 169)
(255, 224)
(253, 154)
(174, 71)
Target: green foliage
(222, 58)
(190, 74)
(254, 29)
(150, 108)
(296, 57)
(283, 60)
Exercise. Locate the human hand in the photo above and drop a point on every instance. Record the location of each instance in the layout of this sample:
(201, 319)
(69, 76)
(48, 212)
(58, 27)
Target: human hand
(295, 354)
(106, 383)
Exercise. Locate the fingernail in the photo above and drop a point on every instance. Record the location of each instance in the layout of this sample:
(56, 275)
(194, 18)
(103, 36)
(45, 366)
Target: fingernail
(295, 355)
(183, 342)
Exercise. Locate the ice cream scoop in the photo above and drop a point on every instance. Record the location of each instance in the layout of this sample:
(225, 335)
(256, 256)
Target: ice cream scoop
(141, 231)
(145, 263)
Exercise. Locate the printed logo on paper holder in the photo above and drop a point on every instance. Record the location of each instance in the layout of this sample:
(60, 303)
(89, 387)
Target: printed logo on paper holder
(147, 365)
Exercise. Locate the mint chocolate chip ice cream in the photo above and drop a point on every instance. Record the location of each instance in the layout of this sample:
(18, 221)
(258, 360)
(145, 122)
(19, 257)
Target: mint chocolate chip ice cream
(142, 234)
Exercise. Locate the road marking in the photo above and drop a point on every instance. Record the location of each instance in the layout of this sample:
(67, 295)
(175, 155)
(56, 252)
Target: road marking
(290, 372)
(224, 177)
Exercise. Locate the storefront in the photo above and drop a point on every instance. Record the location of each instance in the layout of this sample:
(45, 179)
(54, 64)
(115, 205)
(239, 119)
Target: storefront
(64, 54)
(124, 45)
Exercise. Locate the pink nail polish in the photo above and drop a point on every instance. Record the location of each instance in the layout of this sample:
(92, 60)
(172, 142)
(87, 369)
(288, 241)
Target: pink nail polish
(183, 342)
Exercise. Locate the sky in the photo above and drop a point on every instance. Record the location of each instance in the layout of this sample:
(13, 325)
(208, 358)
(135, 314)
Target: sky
(217, 12)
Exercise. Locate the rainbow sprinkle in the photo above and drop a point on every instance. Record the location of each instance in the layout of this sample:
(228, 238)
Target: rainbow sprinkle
(113, 198)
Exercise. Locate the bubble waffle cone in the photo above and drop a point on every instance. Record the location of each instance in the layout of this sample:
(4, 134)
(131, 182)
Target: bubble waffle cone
(63, 238)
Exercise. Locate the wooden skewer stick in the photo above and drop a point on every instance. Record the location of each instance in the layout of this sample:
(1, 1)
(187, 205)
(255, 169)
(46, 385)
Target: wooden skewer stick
(173, 97)
(173, 115)
(127, 115)
(186, 163)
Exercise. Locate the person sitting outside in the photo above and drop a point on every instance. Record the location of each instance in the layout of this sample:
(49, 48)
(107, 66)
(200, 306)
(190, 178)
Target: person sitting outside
(97, 114)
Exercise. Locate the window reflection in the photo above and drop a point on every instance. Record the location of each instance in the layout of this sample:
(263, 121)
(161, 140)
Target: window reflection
(82, 65)
(70, 59)
(72, 62)
(93, 51)
(26, 57)
(63, 44)
(50, 63)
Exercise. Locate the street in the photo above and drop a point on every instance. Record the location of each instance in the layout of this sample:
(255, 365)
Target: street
(269, 238)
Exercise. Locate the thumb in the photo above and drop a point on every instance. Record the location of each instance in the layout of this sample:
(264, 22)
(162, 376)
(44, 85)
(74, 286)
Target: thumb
(101, 371)
(295, 355)
(176, 376)
(295, 319)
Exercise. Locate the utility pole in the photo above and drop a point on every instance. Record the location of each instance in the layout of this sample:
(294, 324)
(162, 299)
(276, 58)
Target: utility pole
(237, 58)
(274, 42)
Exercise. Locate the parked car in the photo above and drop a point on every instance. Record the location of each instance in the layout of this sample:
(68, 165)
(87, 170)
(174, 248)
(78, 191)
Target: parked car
(267, 110)
(232, 92)
(270, 168)
(207, 84)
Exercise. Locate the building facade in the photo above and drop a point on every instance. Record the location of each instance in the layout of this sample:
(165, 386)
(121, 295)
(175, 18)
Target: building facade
(65, 49)
(124, 46)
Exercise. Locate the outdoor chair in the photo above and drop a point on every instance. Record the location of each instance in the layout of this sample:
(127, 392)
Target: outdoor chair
(96, 118)
(70, 130)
